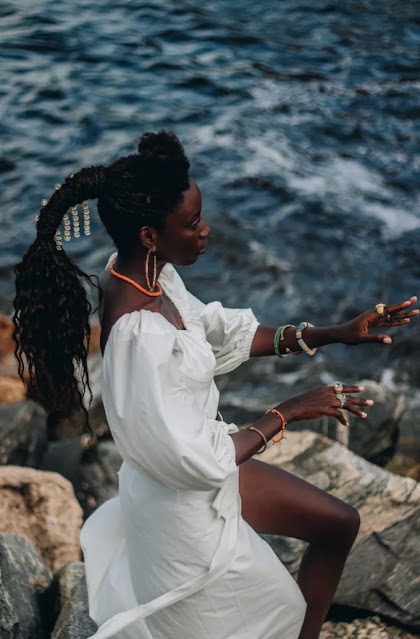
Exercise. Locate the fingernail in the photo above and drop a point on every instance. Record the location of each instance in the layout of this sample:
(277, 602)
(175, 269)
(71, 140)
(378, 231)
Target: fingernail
(361, 388)
(364, 414)
(416, 311)
(387, 340)
(346, 424)
(369, 402)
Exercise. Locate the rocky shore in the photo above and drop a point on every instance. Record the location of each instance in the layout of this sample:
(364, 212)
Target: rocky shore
(49, 482)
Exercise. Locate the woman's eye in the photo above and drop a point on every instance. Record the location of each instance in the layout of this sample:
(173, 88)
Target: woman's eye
(195, 224)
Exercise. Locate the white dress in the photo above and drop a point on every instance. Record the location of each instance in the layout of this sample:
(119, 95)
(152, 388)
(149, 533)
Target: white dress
(171, 557)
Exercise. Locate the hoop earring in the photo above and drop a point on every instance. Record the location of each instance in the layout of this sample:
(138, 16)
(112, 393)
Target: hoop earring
(151, 288)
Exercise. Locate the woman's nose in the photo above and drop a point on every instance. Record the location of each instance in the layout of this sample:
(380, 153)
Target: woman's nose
(205, 231)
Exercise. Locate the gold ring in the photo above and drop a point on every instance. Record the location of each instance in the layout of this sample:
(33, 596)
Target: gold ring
(338, 387)
(380, 309)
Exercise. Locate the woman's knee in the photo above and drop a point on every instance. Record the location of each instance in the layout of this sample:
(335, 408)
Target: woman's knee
(343, 525)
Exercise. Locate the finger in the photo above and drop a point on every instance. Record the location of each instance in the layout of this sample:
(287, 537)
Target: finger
(353, 389)
(352, 408)
(360, 401)
(375, 338)
(403, 315)
(397, 307)
(339, 415)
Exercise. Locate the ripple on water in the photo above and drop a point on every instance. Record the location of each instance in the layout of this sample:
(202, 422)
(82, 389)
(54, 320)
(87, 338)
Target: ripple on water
(300, 119)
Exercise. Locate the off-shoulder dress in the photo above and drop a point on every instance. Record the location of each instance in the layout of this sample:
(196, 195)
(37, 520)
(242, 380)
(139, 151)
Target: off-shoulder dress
(171, 557)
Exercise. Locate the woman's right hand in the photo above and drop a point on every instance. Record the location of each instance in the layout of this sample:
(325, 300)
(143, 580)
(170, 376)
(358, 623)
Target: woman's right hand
(324, 401)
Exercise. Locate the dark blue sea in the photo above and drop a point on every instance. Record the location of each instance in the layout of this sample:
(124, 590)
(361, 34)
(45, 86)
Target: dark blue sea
(301, 121)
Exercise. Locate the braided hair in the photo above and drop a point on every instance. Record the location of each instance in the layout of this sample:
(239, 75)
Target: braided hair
(51, 308)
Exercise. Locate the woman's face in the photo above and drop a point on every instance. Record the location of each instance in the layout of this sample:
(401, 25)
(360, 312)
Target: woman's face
(184, 237)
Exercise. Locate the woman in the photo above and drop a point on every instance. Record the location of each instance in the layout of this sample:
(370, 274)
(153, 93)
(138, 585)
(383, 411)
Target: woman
(177, 554)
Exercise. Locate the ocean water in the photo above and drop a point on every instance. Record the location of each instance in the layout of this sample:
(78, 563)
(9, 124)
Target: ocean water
(301, 121)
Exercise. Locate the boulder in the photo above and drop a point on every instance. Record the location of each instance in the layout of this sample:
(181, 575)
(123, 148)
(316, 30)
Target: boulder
(41, 506)
(71, 603)
(405, 466)
(376, 437)
(11, 390)
(23, 434)
(372, 628)
(24, 581)
(98, 477)
(382, 573)
(92, 471)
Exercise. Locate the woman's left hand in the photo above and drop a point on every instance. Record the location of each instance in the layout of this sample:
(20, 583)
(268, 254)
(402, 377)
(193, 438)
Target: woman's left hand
(356, 331)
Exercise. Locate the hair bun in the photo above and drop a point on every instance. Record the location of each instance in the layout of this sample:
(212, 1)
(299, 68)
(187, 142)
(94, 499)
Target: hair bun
(163, 146)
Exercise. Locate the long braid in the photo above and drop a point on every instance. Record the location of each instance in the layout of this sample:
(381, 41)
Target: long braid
(51, 318)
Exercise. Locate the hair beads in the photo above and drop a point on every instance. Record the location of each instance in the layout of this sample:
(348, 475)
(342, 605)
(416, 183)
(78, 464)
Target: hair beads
(75, 218)
(67, 223)
(86, 218)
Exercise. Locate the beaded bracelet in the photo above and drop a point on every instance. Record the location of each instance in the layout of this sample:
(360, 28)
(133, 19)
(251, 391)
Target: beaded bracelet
(305, 348)
(279, 337)
(263, 437)
(283, 423)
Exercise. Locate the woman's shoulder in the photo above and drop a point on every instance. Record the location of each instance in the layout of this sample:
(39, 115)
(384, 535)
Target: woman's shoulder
(143, 322)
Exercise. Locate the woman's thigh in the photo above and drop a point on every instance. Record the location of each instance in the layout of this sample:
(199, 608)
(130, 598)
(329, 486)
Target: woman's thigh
(277, 502)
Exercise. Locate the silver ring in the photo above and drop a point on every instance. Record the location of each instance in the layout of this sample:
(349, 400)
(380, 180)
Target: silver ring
(342, 399)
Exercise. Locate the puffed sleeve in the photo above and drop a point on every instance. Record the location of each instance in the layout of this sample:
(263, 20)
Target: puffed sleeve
(156, 422)
(230, 331)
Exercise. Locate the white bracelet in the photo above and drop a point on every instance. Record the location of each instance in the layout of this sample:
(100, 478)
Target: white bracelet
(304, 347)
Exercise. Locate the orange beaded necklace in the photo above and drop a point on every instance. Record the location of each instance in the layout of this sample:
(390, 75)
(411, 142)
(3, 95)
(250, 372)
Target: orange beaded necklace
(140, 288)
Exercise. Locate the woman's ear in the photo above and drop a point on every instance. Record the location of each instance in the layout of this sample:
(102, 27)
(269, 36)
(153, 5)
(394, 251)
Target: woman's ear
(148, 237)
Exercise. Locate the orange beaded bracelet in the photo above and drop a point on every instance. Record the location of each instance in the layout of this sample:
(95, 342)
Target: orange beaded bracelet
(283, 423)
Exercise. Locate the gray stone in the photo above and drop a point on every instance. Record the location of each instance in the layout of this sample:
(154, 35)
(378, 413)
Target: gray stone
(24, 580)
(23, 434)
(98, 477)
(382, 573)
(73, 620)
(376, 437)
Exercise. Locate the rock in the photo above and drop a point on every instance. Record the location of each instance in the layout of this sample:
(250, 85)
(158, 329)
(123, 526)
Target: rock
(405, 466)
(382, 573)
(410, 424)
(376, 437)
(23, 434)
(372, 628)
(41, 506)
(72, 603)
(93, 472)
(11, 390)
(24, 579)
(98, 479)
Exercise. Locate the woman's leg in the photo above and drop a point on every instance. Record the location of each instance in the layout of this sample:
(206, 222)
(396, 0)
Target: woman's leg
(276, 502)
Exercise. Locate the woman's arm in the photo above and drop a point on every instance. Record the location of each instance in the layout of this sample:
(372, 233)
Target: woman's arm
(356, 331)
(310, 405)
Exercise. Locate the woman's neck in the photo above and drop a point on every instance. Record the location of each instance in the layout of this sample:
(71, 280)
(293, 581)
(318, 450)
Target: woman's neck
(134, 267)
